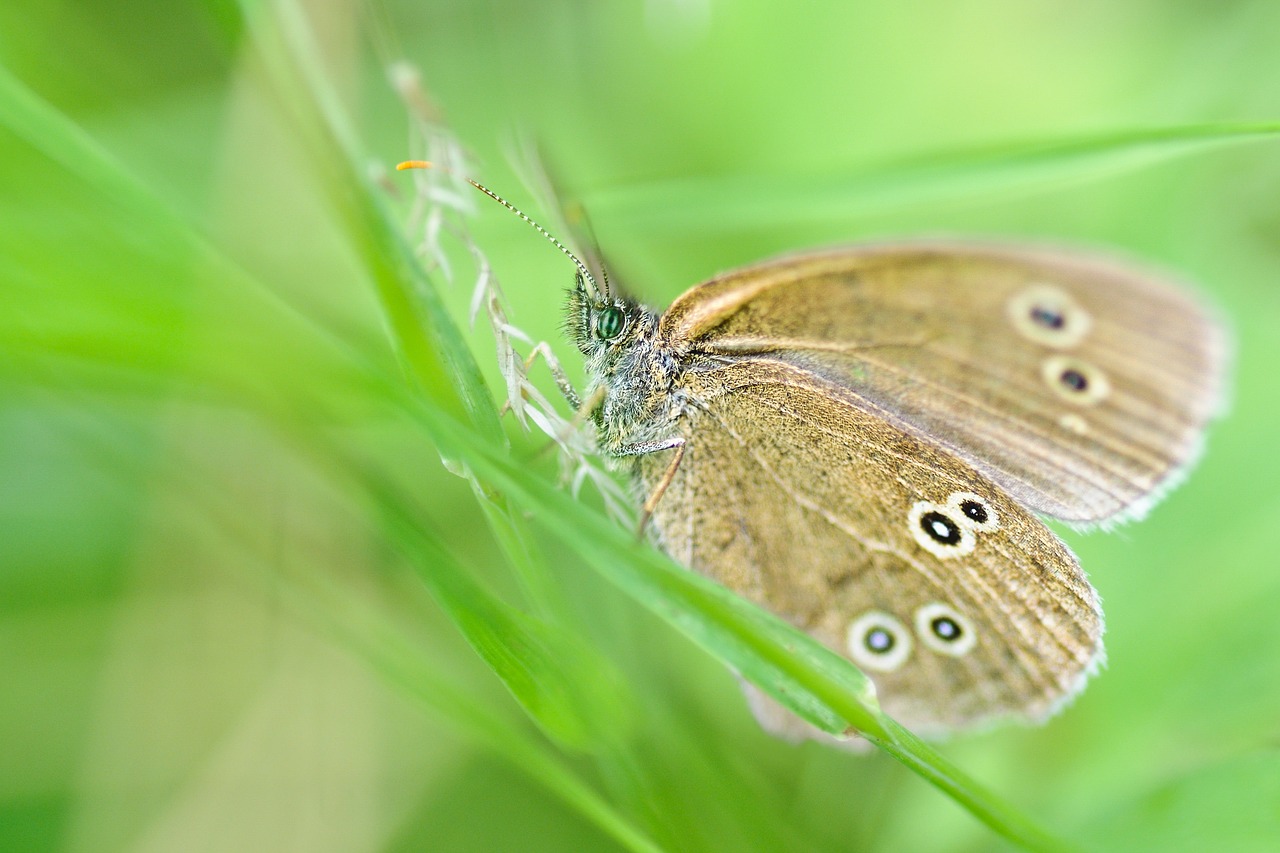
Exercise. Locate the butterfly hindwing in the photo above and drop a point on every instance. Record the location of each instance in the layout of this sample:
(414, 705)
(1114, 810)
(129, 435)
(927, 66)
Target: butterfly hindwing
(959, 603)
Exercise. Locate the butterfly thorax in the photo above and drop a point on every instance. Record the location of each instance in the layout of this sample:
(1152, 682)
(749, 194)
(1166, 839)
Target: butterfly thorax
(630, 369)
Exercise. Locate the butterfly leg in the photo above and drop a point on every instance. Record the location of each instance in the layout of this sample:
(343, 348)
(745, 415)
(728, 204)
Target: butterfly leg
(651, 503)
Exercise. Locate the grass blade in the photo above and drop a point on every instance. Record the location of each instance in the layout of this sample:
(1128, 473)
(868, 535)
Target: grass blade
(737, 202)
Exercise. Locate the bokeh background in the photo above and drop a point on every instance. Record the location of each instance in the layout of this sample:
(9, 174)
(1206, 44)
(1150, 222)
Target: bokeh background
(245, 606)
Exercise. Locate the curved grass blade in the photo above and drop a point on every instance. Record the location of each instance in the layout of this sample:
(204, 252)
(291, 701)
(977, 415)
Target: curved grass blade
(431, 345)
(738, 202)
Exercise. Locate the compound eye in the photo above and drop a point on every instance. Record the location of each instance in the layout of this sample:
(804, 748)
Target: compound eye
(610, 323)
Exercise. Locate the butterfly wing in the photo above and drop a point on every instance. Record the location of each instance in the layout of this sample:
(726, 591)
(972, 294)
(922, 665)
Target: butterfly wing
(960, 605)
(1079, 386)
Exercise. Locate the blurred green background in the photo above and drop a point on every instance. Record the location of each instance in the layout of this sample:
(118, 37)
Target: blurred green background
(244, 606)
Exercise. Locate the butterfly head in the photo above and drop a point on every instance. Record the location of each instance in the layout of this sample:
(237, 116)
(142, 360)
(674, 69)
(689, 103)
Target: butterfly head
(602, 325)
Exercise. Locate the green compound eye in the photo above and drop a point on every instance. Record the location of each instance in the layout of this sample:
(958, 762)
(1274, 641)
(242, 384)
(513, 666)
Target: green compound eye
(610, 323)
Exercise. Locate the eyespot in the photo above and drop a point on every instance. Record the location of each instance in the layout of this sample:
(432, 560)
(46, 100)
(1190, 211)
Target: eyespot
(974, 511)
(941, 627)
(940, 530)
(610, 323)
(1047, 315)
(1075, 380)
(878, 641)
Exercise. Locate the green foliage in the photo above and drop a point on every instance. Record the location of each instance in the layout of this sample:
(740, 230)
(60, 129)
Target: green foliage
(244, 604)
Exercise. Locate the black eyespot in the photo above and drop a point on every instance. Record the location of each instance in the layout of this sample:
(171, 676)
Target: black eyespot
(1048, 318)
(610, 322)
(946, 628)
(1073, 379)
(941, 529)
(879, 641)
(974, 511)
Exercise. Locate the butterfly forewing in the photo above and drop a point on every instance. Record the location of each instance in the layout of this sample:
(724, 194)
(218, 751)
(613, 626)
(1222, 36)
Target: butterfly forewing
(1079, 386)
(817, 505)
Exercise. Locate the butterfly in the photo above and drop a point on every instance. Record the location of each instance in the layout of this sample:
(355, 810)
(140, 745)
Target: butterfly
(865, 440)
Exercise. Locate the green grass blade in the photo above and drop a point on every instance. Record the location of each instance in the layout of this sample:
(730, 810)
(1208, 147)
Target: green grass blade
(744, 202)
(571, 692)
(428, 340)
(400, 664)
(942, 774)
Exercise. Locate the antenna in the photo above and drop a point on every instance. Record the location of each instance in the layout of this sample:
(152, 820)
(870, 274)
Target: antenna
(579, 217)
(582, 268)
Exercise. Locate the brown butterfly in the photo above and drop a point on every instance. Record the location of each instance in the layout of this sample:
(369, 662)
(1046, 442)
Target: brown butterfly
(860, 440)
